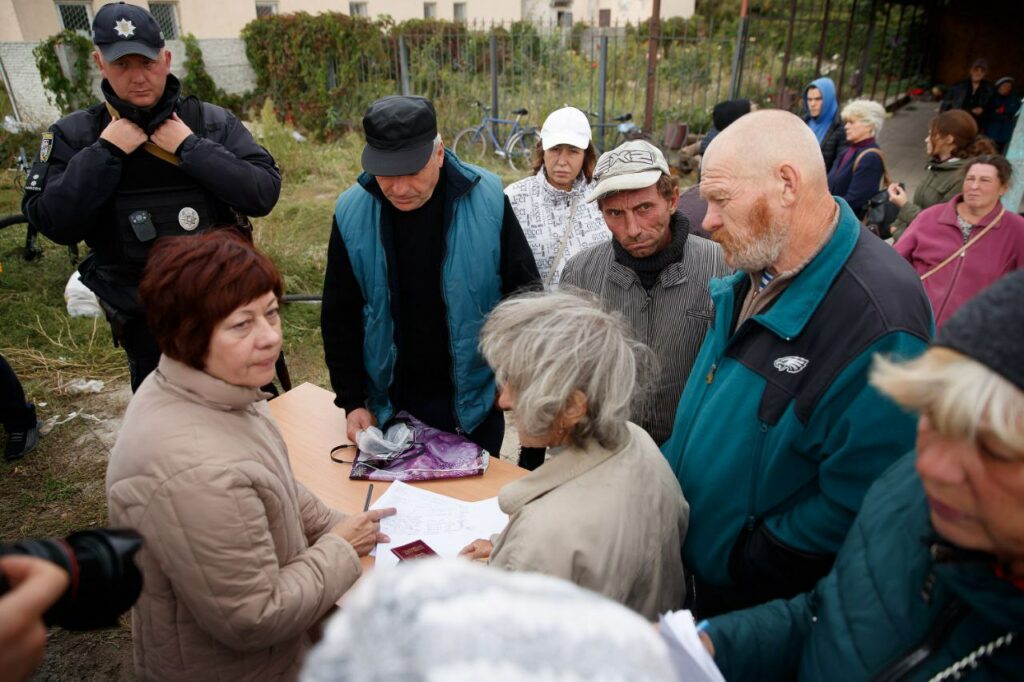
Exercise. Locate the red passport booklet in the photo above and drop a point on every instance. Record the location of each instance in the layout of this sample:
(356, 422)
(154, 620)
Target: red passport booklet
(414, 550)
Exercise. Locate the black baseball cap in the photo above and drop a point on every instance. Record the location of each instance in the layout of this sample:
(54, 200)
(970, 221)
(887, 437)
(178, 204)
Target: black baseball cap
(400, 133)
(119, 29)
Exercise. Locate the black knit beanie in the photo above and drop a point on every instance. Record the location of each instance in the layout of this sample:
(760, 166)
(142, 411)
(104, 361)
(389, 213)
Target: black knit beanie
(990, 328)
(728, 111)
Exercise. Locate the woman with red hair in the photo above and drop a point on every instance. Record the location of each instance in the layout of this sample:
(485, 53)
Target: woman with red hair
(240, 559)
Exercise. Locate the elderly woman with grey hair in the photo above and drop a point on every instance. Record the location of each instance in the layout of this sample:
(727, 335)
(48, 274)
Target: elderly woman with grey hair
(605, 510)
(858, 173)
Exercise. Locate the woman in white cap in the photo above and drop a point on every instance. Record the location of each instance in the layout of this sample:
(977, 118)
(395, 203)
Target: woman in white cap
(551, 205)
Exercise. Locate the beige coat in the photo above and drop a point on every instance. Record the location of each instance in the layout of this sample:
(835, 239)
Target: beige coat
(610, 521)
(237, 565)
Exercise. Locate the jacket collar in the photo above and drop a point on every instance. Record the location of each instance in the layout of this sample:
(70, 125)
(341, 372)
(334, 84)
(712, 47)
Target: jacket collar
(460, 177)
(149, 119)
(948, 214)
(552, 193)
(203, 388)
(794, 307)
(569, 464)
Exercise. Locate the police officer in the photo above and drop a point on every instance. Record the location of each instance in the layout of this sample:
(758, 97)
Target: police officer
(144, 163)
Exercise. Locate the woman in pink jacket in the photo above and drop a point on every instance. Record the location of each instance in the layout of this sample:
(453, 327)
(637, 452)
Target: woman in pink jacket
(240, 559)
(961, 246)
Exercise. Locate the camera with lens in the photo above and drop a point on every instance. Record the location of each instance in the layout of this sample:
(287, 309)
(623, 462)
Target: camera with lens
(104, 580)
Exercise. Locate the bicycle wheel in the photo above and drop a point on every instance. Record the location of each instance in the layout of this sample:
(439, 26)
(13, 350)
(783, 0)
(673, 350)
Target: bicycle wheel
(471, 145)
(13, 219)
(519, 150)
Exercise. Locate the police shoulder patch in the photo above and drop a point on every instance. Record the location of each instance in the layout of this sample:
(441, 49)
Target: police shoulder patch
(45, 147)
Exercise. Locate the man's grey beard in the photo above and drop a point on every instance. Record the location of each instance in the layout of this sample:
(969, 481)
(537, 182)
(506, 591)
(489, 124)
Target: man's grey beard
(761, 252)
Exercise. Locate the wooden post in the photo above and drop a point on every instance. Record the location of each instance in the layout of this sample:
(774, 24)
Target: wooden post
(652, 65)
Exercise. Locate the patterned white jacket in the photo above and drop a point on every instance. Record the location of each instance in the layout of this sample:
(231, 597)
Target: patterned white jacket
(543, 211)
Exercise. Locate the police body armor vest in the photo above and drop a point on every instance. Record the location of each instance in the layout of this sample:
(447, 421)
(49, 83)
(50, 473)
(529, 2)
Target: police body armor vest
(155, 198)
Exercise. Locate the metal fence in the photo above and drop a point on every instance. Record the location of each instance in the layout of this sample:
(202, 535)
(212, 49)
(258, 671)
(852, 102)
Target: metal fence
(871, 48)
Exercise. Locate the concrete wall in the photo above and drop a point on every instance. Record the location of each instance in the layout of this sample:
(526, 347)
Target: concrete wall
(225, 61)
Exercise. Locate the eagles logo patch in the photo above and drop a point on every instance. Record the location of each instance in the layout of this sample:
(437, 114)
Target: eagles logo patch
(791, 364)
(45, 147)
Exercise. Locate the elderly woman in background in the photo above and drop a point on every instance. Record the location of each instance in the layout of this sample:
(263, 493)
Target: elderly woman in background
(963, 245)
(952, 139)
(551, 204)
(930, 582)
(857, 174)
(605, 511)
(240, 559)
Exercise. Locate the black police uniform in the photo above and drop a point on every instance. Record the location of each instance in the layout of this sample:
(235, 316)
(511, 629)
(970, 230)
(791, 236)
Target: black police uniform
(84, 188)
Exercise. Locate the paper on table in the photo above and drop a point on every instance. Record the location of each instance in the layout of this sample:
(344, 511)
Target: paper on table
(444, 523)
(691, 660)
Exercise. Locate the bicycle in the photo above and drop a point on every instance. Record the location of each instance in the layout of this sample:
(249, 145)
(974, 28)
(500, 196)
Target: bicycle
(32, 249)
(624, 128)
(474, 143)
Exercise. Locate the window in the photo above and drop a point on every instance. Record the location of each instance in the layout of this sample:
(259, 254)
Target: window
(266, 9)
(459, 12)
(75, 16)
(565, 19)
(430, 10)
(604, 18)
(358, 9)
(166, 16)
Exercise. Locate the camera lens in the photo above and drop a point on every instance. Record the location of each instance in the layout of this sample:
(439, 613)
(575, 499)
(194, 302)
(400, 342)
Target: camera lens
(104, 581)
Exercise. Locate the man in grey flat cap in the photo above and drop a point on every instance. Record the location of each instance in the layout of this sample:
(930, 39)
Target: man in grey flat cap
(144, 163)
(422, 247)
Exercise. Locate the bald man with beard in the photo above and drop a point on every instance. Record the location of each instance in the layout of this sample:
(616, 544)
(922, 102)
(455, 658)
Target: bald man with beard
(778, 435)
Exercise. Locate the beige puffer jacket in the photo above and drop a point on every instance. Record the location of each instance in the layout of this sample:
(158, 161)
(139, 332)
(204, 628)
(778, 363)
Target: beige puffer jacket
(237, 565)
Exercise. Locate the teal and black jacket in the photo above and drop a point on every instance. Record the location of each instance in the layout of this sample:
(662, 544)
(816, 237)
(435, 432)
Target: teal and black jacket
(778, 435)
(485, 257)
(899, 604)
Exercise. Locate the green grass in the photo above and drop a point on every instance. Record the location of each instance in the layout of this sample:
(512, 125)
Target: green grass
(59, 487)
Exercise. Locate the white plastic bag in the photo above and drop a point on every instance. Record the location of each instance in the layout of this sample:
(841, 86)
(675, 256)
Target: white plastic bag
(81, 301)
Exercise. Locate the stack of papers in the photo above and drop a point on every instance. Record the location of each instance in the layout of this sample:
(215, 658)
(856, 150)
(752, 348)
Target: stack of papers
(692, 661)
(444, 523)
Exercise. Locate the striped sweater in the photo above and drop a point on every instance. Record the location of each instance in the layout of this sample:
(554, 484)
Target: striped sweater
(672, 318)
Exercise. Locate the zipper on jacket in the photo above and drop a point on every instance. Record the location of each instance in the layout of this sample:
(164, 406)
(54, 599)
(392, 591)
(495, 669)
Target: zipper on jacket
(941, 629)
(448, 322)
(756, 474)
(711, 373)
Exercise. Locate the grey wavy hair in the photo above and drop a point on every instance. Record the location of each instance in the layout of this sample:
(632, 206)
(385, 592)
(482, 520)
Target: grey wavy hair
(544, 346)
(869, 111)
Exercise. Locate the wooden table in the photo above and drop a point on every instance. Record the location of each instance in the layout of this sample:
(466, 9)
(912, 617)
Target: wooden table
(311, 425)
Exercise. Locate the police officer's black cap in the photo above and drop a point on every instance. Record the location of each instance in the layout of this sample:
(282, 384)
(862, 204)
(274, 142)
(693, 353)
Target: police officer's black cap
(119, 29)
(400, 133)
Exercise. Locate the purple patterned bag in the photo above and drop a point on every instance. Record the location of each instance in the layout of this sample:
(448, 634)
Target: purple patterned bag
(433, 455)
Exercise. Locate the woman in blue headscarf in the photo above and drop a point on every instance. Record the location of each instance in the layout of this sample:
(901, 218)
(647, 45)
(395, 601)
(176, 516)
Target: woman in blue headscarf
(823, 118)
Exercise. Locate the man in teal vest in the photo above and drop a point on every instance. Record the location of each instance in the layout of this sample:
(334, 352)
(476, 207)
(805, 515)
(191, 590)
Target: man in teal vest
(422, 247)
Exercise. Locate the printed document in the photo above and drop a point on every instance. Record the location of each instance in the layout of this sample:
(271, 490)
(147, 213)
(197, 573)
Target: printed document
(692, 661)
(444, 523)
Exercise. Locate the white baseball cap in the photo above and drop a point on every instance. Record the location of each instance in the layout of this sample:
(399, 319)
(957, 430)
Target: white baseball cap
(632, 165)
(567, 125)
